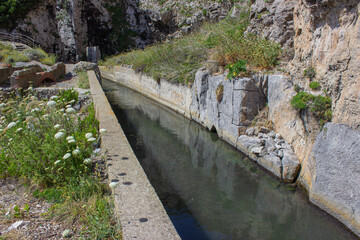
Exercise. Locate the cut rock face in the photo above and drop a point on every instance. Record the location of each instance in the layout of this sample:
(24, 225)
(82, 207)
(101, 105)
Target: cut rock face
(335, 162)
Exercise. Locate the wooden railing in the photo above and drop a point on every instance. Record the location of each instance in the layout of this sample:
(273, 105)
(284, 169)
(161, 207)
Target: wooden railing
(17, 38)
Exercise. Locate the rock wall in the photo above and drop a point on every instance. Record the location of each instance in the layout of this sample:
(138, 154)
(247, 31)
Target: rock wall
(325, 166)
(335, 165)
(223, 106)
(327, 38)
(67, 27)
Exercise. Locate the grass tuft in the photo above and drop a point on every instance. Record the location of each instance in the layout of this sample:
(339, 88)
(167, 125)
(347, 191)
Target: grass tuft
(224, 42)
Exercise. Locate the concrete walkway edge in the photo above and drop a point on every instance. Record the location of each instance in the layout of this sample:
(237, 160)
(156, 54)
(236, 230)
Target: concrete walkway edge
(137, 206)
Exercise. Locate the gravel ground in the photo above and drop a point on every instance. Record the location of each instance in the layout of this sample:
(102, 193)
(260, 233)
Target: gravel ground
(31, 224)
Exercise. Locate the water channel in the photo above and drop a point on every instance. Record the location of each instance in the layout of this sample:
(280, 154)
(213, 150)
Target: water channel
(209, 189)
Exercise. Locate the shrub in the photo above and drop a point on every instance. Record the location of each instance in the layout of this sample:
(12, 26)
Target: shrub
(16, 57)
(314, 85)
(50, 60)
(320, 106)
(35, 54)
(224, 42)
(236, 68)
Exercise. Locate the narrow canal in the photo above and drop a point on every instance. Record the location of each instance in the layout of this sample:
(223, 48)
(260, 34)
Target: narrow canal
(209, 189)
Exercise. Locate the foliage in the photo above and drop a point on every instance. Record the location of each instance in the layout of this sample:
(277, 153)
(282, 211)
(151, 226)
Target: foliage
(236, 68)
(12, 10)
(50, 60)
(10, 55)
(50, 144)
(179, 59)
(320, 106)
(309, 72)
(314, 85)
(297, 88)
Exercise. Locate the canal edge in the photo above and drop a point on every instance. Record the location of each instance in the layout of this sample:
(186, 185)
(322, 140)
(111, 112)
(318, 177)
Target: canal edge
(137, 206)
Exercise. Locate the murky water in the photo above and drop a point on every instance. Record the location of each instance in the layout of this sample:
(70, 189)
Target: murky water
(209, 189)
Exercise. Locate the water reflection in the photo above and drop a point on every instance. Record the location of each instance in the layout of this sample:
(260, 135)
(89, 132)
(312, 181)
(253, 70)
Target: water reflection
(210, 190)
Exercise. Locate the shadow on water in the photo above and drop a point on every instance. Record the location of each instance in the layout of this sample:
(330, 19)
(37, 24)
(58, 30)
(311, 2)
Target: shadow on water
(210, 190)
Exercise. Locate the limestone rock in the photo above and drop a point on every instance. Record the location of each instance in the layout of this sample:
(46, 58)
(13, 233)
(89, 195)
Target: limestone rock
(271, 163)
(335, 167)
(291, 165)
(327, 38)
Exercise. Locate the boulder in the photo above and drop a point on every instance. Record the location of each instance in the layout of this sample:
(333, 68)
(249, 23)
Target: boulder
(291, 165)
(335, 178)
(271, 163)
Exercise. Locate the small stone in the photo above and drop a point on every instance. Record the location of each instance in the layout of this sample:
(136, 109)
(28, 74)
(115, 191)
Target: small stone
(260, 135)
(272, 134)
(250, 131)
(66, 233)
(11, 187)
(264, 130)
(17, 225)
(257, 150)
(278, 136)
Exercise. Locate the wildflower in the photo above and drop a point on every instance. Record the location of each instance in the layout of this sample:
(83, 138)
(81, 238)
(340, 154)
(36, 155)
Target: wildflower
(68, 106)
(71, 141)
(113, 184)
(72, 101)
(19, 115)
(2, 105)
(60, 110)
(56, 162)
(53, 97)
(41, 104)
(70, 110)
(30, 88)
(46, 116)
(64, 114)
(57, 126)
(62, 130)
(12, 124)
(92, 139)
(103, 130)
(59, 135)
(66, 156)
(19, 129)
(69, 138)
(97, 150)
(88, 135)
(35, 110)
(76, 152)
(51, 103)
(88, 161)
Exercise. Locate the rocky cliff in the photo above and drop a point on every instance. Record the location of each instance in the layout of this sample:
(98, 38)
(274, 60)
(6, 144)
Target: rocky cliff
(67, 27)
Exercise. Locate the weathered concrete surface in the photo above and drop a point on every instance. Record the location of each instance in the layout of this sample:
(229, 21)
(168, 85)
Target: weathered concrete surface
(335, 166)
(139, 209)
(175, 97)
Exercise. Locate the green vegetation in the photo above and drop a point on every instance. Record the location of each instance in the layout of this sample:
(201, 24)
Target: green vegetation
(320, 106)
(236, 68)
(12, 10)
(310, 72)
(83, 80)
(49, 144)
(11, 56)
(314, 85)
(224, 42)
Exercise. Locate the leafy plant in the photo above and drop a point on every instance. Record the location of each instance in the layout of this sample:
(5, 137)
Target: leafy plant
(320, 106)
(236, 69)
(225, 42)
(314, 85)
